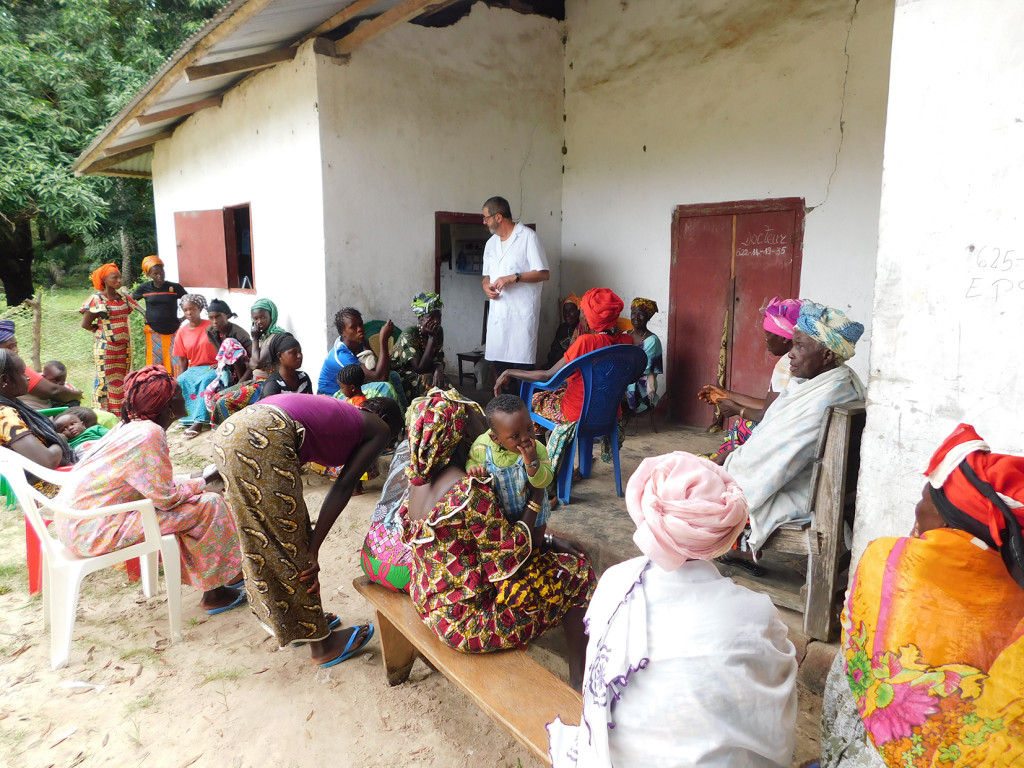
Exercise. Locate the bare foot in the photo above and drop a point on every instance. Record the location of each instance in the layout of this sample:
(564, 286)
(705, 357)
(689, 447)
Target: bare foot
(218, 598)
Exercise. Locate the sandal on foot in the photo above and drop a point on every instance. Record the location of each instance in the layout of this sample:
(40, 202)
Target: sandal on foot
(333, 622)
(191, 433)
(240, 600)
(352, 647)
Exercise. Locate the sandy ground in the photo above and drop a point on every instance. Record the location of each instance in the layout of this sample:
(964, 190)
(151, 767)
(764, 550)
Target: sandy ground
(225, 695)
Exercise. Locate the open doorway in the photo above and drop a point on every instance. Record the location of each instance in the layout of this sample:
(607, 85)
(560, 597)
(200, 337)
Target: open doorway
(459, 240)
(728, 261)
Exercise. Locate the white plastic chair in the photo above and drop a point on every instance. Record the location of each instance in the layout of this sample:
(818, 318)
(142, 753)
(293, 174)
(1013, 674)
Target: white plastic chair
(63, 570)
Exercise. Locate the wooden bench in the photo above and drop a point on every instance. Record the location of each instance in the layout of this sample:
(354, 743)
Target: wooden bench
(509, 686)
(831, 502)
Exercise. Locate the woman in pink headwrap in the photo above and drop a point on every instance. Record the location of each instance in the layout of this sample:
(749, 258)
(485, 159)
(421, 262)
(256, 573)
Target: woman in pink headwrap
(601, 308)
(681, 661)
(780, 318)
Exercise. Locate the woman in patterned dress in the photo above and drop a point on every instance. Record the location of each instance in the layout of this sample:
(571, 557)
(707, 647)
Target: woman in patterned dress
(418, 357)
(21, 428)
(479, 582)
(106, 315)
(133, 462)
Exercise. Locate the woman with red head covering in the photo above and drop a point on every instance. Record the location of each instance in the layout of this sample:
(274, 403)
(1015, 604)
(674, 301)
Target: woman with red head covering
(106, 315)
(133, 462)
(600, 308)
(931, 668)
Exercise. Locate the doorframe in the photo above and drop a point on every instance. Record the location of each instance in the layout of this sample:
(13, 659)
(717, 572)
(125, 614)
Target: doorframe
(448, 217)
(735, 208)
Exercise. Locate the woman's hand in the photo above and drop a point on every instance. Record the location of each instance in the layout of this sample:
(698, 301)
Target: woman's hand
(256, 333)
(439, 377)
(386, 332)
(711, 394)
(431, 326)
(501, 382)
(312, 574)
(568, 546)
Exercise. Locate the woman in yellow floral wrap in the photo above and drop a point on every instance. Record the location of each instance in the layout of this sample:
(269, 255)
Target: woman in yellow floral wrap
(931, 671)
(479, 582)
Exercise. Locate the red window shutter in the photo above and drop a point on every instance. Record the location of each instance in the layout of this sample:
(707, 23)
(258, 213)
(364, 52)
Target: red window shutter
(202, 249)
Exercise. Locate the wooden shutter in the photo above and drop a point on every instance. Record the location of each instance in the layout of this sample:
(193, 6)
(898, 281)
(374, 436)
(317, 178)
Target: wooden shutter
(201, 238)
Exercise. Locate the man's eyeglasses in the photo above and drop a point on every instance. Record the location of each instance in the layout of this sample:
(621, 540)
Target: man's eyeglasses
(486, 218)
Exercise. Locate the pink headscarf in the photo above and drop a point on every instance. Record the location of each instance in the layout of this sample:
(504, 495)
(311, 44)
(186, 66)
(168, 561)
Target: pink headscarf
(780, 316)
(685, 508)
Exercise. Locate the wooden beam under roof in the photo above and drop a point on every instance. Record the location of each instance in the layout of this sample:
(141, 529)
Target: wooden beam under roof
(241, 64)
(179, 111)
(121, 157)
(368, 30)
(345, 14)
(148, 141)
(126, 174)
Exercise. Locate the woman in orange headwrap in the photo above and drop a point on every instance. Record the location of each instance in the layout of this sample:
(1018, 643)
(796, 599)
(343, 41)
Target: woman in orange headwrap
(106, 314)
(601, 308)
(931, 669)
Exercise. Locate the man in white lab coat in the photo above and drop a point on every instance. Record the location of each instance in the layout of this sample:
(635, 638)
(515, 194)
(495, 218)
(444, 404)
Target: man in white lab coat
(514, 269)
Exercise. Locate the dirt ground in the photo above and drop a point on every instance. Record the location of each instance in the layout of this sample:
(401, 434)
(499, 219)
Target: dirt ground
(226, 696)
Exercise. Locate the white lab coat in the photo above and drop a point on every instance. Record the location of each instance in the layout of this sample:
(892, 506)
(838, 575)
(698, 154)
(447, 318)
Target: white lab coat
(515, 315)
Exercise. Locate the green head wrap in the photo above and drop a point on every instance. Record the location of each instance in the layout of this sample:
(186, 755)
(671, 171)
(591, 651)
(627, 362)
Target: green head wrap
(271, 308)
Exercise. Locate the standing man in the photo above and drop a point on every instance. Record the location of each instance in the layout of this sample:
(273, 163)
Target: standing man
(514, 268)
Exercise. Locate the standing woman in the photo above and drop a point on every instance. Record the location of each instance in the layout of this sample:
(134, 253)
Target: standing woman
(106, 315)
(194, 361)
(161, 297)
(249, 389)
(260, 452)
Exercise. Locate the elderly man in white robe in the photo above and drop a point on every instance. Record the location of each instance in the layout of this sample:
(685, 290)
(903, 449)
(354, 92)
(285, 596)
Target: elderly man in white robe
(773, 467)
(684, 667)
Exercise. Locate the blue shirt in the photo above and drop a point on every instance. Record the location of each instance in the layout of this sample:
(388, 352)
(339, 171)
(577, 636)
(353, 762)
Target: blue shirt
(337, 358)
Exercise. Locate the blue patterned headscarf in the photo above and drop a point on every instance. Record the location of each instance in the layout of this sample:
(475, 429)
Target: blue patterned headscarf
(830, 328)
(425, 303)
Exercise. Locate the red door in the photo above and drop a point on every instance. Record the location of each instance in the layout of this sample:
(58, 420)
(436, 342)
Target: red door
(728, 261)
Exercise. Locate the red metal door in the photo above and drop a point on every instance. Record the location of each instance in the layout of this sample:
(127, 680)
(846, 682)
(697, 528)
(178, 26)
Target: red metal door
(741, 256)
(202, 248)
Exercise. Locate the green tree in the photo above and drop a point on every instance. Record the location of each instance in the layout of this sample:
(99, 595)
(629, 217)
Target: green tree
(66, 68)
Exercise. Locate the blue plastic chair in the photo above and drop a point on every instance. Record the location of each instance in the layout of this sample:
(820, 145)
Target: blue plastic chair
(606, 374)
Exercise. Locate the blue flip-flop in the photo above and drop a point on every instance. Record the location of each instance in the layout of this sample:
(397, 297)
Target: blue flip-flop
(240, 600)
(351, 650)
(332, 625)
(240, 584)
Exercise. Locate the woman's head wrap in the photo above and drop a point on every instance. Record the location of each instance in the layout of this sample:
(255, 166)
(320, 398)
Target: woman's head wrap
(650, 306)
(147, 392)
(217, 305)
(270, 308)
(780, 316)
(685, 508)
(982, 493)
(438, 426)
(572, 298)
(281, 342)
(830, 328)
(601, 307)
(40, 426)
(6, 330)
(100, 273)
(425, 303)
(193, 298)
(230, 352)
(149, 262)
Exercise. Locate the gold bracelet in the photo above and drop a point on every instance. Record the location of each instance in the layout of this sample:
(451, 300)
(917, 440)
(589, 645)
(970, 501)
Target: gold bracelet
(743, 412)
(533, 506)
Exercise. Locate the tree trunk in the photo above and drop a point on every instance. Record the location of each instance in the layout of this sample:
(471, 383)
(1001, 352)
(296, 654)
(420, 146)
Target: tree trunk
(128, 273)
(16, 254)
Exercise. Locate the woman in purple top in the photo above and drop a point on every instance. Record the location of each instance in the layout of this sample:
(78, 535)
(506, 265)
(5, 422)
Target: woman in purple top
(260, 452)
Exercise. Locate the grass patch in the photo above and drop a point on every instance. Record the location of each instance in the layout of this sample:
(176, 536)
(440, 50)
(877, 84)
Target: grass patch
(139, 654)
(12, 576)
(191, 461)
(232, 673)
(141, 703)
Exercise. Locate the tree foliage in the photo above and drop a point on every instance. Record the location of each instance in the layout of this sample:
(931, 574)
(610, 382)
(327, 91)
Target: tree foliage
(66, 68)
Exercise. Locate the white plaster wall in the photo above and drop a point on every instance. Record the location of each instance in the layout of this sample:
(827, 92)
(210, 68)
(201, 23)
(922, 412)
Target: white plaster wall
(260, 147)
(671, 103)
(424, 120)
(949, 296)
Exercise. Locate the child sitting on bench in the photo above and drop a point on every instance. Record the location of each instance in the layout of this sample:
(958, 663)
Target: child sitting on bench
(510, 454)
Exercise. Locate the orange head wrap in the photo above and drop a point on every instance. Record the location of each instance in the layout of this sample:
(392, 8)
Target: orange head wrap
(102, 272)
(149, 262)
(601, 307)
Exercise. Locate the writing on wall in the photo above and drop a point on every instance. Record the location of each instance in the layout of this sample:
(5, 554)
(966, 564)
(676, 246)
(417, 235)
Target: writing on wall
(995, 274)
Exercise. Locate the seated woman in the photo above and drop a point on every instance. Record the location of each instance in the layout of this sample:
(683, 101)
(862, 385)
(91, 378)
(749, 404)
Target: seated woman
(222, 328)
(780, 317)
(930, 670)
(22, 429)
(260, 452)
(684, 667)
(418, 357)
(286, 357)
(194, 361)
(479, 582)
(351, 342)
(568, 330)
(248, 390)
(644, 393)
(133, 462)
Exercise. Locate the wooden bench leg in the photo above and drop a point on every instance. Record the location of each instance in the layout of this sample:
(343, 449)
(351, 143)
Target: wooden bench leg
(399, 654)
